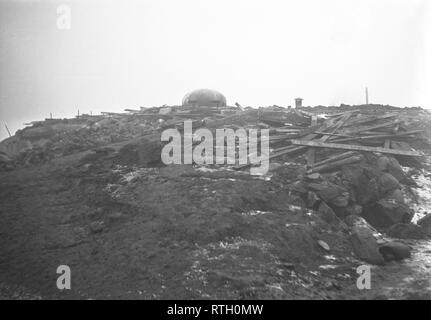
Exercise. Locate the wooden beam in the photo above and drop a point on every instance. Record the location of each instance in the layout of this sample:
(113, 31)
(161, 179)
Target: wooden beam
(336, 164)
(379, 136)
(335, 158)
(288, 151)
(387, 144)
(308, 135)
(311, 153)
(377, 126)
(335, 134)
(354, 147)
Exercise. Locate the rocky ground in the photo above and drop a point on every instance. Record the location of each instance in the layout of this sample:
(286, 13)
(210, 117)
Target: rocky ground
(132, 228)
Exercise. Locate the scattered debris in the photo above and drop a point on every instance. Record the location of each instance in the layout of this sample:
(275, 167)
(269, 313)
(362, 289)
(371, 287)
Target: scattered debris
(339, 175)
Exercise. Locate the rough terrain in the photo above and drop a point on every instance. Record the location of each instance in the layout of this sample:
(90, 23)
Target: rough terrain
(131, 228)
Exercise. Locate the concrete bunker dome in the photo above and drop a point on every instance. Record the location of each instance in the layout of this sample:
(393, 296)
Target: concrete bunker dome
(204, 98)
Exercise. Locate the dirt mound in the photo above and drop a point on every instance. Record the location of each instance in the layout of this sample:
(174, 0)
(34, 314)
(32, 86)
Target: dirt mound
(99, 200)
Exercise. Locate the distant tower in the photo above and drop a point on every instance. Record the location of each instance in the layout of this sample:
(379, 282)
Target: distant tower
(366, 95)
(298, 102)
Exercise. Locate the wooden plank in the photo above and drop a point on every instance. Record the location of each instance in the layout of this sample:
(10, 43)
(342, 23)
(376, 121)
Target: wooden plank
(379, 136)
(283, 148)
(288, 151)
(337, 125)
(335, 134)
(336, 164)
(287, 130)
(354, 147)
(367, 133)
(335, 158)
(330, 124)
(291, 149)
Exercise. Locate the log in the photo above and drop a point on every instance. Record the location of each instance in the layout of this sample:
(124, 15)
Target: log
(335, 134)
(354, 147)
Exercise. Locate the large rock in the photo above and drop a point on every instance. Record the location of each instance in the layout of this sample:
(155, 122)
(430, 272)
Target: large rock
(387, 212)
(397, 195)
(365, 245)
(354, 209)
(362, 182)
(407, 231)
(392, 166)
(326, 213)
(395, 251)
(425, 223)
(331, 193)
(387, 183)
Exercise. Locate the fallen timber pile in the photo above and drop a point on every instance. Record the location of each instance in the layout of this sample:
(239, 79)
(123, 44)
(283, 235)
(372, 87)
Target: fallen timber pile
(293, 132)
(352, 173)
(381, 133)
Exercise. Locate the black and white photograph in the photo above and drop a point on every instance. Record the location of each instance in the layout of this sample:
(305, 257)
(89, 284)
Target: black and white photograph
(227, 151)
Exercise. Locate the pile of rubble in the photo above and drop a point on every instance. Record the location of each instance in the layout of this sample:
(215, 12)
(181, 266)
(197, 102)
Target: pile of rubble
(352, 168)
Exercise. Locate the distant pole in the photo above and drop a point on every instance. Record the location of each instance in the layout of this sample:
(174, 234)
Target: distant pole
(78, 113)
(7, 129)
(366, 95)
(50, 115)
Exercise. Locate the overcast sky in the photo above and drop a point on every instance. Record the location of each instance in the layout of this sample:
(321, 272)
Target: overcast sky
(126, 54)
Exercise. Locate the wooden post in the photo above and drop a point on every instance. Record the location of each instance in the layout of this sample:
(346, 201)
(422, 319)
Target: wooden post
(387, 144)
(7, 129)
(366, 95)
